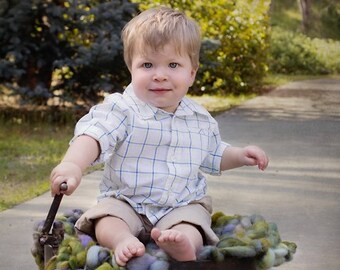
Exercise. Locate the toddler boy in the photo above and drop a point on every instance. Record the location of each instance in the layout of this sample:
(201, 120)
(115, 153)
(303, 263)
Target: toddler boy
(155, 143)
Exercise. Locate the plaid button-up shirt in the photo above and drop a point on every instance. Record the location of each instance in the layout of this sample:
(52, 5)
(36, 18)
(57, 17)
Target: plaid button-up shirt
(153, 159)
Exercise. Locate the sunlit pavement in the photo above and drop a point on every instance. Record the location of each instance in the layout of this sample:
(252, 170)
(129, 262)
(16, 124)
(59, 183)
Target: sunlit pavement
(299, 127)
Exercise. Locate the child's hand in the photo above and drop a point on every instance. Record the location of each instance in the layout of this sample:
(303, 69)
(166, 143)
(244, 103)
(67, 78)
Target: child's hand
(234, 157)
(68, 172)
(254, 155)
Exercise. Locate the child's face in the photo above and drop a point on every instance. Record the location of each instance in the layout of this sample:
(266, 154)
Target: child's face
(162, 78)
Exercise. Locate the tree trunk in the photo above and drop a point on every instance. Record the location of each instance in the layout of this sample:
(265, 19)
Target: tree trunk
(305, 8)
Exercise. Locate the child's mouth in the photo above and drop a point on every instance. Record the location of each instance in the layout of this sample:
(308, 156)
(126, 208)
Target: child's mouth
(160, 90)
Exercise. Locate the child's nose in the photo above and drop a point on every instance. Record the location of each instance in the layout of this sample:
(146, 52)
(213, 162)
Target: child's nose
(160, 75)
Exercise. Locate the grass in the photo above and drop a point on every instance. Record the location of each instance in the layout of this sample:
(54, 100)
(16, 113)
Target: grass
(275, 80)
(27, 154)
(218, 104)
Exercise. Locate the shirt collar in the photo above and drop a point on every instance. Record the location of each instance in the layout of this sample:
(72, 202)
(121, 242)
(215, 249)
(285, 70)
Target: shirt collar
(186, 107)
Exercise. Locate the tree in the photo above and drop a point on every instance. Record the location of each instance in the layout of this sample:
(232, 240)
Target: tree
(63, 48)
(305, 8)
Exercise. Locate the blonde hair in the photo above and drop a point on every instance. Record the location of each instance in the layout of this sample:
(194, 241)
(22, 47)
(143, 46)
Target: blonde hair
(157, 27)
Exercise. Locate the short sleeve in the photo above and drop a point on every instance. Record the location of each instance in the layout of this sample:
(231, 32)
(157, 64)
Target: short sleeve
(212, 163)
(106, 123)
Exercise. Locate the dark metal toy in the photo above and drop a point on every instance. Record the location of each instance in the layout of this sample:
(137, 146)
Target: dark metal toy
(50, 240)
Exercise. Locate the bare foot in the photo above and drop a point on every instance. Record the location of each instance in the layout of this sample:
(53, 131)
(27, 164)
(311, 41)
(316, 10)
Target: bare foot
(128, 248)
(175, 243)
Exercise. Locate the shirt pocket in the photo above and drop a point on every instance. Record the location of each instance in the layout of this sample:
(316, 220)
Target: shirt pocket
(197, 143)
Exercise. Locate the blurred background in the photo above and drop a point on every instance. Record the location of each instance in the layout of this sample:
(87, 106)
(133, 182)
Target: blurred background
(60, 57)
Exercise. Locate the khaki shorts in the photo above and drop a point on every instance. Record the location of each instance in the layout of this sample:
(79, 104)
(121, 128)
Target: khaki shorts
(197, 213)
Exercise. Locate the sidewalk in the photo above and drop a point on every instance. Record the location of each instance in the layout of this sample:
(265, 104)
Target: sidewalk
(299, 126)
(16, 224)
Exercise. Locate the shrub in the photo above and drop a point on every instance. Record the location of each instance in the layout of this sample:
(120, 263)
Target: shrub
(77, 42)
(295, 53)
(328, 53)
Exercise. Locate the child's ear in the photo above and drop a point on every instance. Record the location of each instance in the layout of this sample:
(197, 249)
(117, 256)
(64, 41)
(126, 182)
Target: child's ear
(193, 75)
(194, 71)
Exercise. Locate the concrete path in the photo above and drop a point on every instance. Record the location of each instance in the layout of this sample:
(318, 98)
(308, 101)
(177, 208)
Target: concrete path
(299, 126)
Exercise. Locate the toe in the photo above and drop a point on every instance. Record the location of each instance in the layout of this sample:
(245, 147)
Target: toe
(155, 234)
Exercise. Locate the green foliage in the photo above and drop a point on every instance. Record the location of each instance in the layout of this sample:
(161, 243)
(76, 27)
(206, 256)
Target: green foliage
(235, 35)
(97, 63)
(27, 154)
(324, 18)
(328, 53)
(76, 41)
(294, 53)
(286, 14)
(26, 50)
(330, 20)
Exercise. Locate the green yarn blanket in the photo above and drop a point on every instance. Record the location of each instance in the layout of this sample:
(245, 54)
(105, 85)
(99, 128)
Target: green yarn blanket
(240, 237)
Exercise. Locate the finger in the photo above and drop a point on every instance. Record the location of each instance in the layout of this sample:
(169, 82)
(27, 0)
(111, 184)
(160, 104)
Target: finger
(55, 185)
(72, 184)
(250, 161)
(264, 163)
(261, 166)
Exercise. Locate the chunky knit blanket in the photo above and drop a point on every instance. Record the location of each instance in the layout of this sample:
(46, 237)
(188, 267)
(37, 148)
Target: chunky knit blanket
(241, 238)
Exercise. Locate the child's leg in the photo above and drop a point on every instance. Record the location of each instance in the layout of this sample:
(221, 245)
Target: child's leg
(114, 233)
(181, 242)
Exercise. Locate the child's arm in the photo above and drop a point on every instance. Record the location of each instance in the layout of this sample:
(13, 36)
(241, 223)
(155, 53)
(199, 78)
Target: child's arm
(81, 153)
(234, 157)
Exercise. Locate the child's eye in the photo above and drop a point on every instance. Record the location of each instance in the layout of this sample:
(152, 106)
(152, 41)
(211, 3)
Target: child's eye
(173, 65)
(147, 65)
